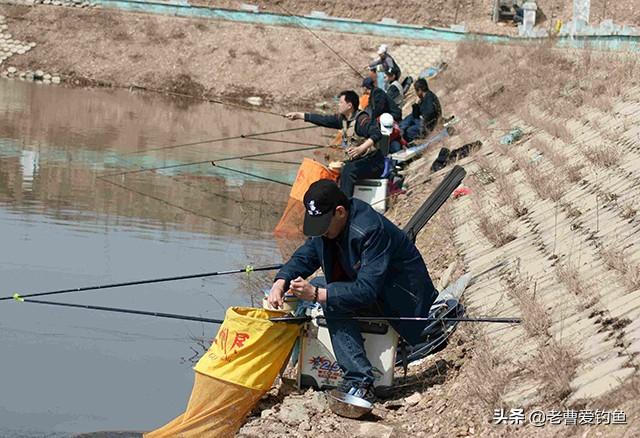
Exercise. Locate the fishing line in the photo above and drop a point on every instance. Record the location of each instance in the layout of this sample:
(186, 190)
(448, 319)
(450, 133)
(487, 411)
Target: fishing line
(247, 269)
(195, 163)
(216, 140)
(321, 40)
(171, 204)
(253, 175)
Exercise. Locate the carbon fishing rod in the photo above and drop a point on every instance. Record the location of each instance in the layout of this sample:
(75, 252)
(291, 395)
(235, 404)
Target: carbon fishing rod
(253, 175)
(303, 319)
(247, 269)
(206, 99)
(258, 160)
(216, 140)
(298, 320)
(121, 310)
(196, 163)
(357, 72)
(265, 154)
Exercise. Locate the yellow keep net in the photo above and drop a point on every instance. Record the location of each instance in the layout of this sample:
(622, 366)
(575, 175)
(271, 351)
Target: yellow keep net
(245, 358)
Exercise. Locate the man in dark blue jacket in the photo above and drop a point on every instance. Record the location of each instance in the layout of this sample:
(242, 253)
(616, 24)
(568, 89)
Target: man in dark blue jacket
(371, 267)
(424, 114)
(360, 135)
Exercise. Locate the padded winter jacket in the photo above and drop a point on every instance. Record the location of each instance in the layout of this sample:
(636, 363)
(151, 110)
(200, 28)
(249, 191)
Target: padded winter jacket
(384, 268)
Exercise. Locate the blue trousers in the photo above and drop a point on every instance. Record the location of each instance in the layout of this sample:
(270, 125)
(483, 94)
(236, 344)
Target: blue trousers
(411, 127)
(348, 343)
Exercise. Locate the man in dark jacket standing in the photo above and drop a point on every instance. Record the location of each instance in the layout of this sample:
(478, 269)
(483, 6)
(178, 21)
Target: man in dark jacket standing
(424, 115)
(360, 135)
(371, 267)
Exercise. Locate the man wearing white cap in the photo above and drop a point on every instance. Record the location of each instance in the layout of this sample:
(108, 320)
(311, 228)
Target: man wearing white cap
(384, 63)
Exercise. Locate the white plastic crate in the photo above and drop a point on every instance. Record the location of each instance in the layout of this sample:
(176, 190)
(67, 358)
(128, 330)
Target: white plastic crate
(373, 192)
(317, 364)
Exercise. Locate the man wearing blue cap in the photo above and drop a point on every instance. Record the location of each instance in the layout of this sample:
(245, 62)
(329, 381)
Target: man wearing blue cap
(370, 266)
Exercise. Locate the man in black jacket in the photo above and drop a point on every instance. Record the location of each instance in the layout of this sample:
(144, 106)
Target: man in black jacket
(370, 267)
(424, 115)
(380, 102)
(360, 133)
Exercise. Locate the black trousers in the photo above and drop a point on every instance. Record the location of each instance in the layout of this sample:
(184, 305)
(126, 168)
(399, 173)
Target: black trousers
(370, 166)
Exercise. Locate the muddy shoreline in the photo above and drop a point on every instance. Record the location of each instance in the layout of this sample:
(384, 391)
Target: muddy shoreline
(204, 59)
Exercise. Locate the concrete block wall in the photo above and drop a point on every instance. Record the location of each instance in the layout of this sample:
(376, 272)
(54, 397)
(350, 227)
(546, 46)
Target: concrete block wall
(414, 58)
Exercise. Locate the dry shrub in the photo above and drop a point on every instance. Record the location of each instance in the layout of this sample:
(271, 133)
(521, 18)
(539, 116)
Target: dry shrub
(508, 194)
(522, 289)
(557, 158)
(487, 375)
(568, 274)
(604, 155)
(618, 260)
(547, 185)
(492, 223)
(629, 211)
(573, 172)
(556, 366)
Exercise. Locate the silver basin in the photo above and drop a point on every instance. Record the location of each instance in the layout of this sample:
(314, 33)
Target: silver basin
(347, 405)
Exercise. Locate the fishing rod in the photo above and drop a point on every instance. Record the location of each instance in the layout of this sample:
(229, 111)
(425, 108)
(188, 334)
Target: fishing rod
(216, 140)
(357, 72)
(265, 154)
(285, 319)
(247, 269)
(204, 98)
(274, 140)
(196, 163)
(258, 160)
(303, 319)
(253, 175)
(121, 310)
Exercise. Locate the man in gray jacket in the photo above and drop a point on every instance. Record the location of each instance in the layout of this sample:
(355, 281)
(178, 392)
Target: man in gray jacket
(370, 266)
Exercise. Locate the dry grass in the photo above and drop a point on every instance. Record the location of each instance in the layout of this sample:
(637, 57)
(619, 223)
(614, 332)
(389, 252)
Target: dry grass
(522, 289)
(618, 260)
(508, 194)
(492, 224)
(568, 274)
(547, 185)
(555, 365)
(604, 155)
(554, 80)
(489, 392)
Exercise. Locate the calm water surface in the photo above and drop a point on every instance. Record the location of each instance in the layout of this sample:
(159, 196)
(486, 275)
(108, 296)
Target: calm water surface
(63, 223)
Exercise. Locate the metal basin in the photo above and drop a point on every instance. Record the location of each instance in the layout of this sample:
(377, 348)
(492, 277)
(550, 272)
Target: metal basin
(347, 405)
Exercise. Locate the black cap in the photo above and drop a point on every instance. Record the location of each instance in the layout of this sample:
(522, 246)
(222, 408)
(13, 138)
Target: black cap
(320, 202)
(367, 83)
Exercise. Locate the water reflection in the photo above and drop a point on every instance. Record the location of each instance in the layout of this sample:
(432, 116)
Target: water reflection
(63, 224)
